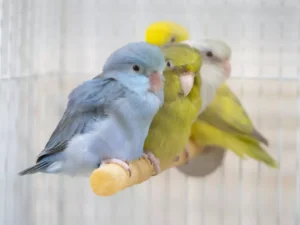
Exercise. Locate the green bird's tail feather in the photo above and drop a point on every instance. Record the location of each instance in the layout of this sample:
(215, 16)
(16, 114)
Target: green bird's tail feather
(203, 134)
(254, 150)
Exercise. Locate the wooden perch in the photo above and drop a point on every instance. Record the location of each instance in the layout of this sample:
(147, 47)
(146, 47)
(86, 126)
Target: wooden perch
(111, 178)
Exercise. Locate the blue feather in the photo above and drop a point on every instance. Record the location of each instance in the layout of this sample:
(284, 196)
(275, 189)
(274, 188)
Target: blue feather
(106, 117)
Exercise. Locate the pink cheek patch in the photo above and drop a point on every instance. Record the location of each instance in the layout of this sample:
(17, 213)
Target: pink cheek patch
(227, 67)
(155, 82)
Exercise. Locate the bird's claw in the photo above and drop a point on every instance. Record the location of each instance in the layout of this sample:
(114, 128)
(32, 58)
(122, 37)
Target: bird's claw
(119, 162)
(153, 160)
(186, 156)
(176, 159)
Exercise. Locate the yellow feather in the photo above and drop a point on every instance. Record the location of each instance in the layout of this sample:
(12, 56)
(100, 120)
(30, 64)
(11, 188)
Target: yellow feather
(161, 33)
(224, 122)
(227, 113)
(205, 134)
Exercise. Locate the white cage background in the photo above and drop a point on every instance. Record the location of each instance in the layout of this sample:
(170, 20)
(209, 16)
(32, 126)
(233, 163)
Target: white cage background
(48, 47)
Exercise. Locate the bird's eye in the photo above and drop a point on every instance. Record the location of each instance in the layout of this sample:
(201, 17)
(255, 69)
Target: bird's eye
(169, 64)
(209, 54)
(136, 68)
(173, 39)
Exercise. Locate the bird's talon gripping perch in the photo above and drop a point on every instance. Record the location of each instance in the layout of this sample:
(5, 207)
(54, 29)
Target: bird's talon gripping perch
(153, 160)
(176, 159)
(119, 162)
(186, 155)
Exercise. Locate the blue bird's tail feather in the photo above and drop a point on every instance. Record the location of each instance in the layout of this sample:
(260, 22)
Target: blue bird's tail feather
(39, 167)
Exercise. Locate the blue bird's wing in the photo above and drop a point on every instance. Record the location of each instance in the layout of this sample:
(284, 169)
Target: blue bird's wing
(87, 102)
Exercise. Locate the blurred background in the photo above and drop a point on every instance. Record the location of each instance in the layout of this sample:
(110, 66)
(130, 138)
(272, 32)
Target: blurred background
(48, 47)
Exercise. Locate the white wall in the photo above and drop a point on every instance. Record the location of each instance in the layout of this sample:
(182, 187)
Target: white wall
(48, 47)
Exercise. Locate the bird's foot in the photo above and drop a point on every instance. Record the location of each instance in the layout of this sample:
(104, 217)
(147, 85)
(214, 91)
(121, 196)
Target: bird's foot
(153, 160)
(176, 159)
(186, 155)
(119, 162)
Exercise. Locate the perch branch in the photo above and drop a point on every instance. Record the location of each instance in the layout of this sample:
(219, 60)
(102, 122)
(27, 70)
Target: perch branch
(111, 178)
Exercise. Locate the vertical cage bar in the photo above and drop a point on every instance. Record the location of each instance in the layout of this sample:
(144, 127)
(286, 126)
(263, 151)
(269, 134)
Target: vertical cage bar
(61, 86)
(150, 204)
(297, 211)
(221, 189)
(240, 205)
(203, 201)
(8, 199)
(259, 167)
(1, 121)
(298, 156)
(1, 29)
(186, 204)
(240, 165)
(221, 195)
(280, 134)
(168, 200)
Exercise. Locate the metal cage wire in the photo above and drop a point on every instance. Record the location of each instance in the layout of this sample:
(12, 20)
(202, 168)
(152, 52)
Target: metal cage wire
(48, 47)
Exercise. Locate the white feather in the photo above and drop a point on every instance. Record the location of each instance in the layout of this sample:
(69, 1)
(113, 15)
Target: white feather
(213, 73)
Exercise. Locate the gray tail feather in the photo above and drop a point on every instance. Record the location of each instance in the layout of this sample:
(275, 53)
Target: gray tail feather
(260, 137)
(39, 167)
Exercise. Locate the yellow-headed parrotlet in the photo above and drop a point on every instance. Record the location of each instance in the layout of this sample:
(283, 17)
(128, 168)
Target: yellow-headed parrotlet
(215, 124)
(161, 33)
